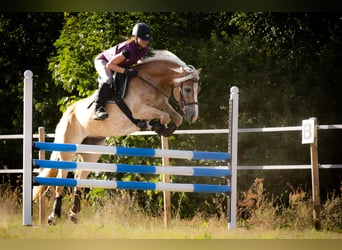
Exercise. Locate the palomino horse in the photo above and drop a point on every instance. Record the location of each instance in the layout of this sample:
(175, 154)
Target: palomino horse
(147, 97)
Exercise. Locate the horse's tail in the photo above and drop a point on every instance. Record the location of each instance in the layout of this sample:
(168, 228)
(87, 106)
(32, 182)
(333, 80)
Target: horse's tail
(46, 172)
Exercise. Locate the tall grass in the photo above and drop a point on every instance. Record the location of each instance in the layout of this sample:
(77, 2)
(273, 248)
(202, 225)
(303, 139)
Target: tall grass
(296, 215)
(118, 215)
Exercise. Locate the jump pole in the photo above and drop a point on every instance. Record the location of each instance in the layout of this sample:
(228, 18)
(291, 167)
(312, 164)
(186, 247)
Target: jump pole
(27, 149)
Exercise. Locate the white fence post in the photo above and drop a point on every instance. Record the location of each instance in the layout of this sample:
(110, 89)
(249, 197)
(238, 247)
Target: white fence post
(27, 149)
(234, 96)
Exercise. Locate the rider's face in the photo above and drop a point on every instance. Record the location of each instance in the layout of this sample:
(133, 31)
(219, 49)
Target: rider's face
(143, 43)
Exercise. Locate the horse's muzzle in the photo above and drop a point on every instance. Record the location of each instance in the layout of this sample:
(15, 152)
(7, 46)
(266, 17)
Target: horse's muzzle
(191, 113)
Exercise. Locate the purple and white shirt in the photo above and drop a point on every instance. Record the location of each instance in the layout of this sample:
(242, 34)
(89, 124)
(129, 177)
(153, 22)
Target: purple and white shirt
(136, 53)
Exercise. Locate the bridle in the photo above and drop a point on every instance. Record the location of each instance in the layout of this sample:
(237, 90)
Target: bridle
(182, 102)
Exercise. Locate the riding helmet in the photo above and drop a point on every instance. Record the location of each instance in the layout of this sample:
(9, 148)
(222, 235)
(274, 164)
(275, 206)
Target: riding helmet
(143, 31)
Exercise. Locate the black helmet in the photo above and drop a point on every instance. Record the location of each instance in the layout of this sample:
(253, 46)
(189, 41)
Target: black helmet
(143, 31)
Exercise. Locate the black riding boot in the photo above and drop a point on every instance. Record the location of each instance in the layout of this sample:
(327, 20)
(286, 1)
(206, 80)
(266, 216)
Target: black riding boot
(104, 94)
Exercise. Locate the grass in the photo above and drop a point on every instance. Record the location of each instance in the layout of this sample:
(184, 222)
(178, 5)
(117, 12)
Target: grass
(103, 227)
(119, 218)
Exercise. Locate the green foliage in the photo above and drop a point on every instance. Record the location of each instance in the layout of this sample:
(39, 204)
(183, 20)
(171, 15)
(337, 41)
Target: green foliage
(85, 35)
(26, 41)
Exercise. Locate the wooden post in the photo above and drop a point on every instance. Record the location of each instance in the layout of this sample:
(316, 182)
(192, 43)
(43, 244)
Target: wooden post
(41, 138)
(315, 179)
(166, 179)
(309, 136)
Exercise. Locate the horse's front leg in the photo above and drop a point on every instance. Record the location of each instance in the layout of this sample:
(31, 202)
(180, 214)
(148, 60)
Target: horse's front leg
(145, 112)
(165, 113)
(76, 203)
(57, 205)
(175, 117)
(168, 129)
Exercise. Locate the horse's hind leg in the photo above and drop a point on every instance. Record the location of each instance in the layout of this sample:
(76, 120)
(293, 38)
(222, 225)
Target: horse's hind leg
(76, 204)
(57, 205)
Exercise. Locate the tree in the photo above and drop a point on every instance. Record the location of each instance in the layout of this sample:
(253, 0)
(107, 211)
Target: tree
(300, 56)
(85, 35)
(26, 41)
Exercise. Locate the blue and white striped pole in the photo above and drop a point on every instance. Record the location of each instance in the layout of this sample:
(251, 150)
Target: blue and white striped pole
(159, 186)
(127, 168)
(144, 152)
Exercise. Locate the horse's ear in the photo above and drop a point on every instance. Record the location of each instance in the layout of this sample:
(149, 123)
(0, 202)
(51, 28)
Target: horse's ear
(199, 89)
(199, 71)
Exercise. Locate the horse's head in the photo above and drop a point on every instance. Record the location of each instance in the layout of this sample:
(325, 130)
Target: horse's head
(186, 89)
(167, 70)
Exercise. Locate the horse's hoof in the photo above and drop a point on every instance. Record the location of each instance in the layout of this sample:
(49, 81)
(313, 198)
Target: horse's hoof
(51, 219)
(169, 130)
(73, 217)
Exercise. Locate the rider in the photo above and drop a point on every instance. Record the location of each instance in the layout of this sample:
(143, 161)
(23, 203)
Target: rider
(117, 60)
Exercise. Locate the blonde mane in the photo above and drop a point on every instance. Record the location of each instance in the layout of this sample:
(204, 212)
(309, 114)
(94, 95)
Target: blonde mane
(164, 55)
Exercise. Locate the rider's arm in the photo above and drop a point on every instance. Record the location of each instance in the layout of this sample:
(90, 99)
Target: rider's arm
(113, 64)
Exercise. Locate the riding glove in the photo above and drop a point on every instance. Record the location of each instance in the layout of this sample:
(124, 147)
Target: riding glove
(131, 72)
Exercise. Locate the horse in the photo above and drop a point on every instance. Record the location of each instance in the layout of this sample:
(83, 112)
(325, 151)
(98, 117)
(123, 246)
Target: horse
(147, 97)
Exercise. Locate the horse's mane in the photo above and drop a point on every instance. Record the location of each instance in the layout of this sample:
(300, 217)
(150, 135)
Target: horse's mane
(163, 55)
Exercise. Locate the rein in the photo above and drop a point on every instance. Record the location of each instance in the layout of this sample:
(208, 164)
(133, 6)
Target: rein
(151, 85)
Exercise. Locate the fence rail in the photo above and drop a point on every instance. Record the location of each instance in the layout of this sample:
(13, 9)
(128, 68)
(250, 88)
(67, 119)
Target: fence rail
(201, 131)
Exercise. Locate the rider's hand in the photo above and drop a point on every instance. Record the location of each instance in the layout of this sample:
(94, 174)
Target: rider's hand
(131, 72)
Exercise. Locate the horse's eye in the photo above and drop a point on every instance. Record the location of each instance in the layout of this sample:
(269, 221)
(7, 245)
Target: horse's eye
(188, 90)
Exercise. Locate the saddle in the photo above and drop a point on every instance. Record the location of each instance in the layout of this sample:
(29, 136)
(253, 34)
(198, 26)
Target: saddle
(119, 91)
